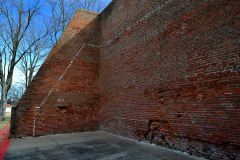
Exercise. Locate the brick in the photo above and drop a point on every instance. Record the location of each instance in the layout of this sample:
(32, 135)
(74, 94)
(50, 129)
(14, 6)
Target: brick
(165, 72)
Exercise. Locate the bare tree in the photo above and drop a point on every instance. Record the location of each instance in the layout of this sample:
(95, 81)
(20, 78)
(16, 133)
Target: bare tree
(32, 60)
(91, 5)
(15, 20)
(15, 93)
(63, 10)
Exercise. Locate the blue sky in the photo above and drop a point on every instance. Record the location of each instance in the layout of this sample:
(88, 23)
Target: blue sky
(107, 2)
(18, 76)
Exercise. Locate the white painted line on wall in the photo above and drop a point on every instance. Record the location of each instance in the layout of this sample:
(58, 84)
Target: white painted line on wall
(34, 122)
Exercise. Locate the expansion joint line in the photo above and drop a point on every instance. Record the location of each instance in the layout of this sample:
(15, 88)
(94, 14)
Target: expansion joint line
(61, 76)
(54, 87)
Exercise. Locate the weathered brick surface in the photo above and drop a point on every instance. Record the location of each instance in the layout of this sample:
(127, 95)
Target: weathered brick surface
(64, 95)
(169, 74)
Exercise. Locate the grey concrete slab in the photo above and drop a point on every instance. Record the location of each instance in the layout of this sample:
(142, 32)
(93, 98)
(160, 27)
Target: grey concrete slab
(88, 146)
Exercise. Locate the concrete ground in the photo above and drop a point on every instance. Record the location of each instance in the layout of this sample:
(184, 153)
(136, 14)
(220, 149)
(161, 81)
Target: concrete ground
(88, 146)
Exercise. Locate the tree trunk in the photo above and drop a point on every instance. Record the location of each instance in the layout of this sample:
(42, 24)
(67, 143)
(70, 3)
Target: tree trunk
(30, 75)
(3, 105)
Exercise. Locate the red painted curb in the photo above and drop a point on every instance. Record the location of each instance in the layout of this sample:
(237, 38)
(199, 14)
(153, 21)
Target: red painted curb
(4, 128)
(4, 141)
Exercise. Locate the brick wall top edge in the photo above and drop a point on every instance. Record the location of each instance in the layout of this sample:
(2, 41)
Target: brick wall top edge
(88, 12)
(69, 31)
(109, 6)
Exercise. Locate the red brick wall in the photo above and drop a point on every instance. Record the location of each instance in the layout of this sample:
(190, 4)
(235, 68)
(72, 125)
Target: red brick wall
(64, 95)
(170, 74)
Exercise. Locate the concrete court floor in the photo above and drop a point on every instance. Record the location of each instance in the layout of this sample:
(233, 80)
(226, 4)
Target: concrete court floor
(88, 146)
